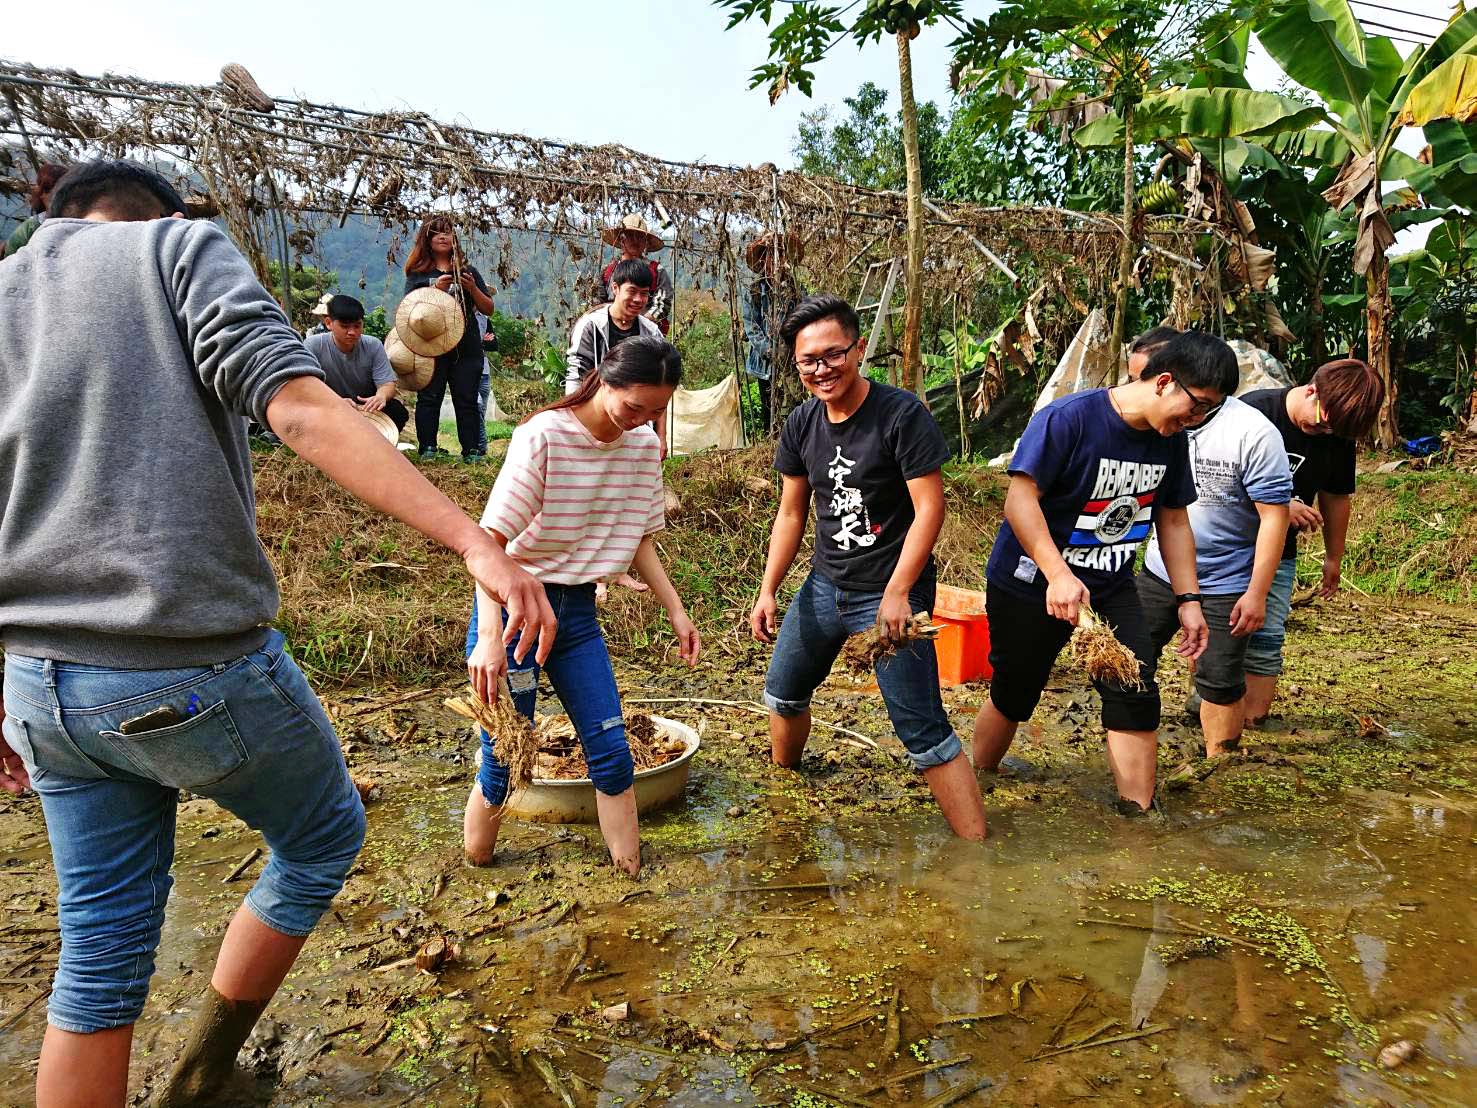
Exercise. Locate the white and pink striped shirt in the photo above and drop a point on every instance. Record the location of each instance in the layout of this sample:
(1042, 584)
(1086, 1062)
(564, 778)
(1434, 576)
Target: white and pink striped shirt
(574, 508)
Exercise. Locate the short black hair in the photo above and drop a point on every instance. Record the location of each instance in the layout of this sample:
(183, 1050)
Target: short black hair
(1151, 340)
(345, 309)
(632, 271)
(1197, 360)
(815, 309)
(124, 189)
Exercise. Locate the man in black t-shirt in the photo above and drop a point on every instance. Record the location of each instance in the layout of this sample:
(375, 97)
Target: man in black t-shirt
(870, 456)
(1319, 423)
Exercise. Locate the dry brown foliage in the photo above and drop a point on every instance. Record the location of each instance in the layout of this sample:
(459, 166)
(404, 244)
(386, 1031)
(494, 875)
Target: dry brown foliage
(515, 741)
(562, 759)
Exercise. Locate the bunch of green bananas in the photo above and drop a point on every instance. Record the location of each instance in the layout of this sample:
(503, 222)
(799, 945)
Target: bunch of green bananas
(1160, 196)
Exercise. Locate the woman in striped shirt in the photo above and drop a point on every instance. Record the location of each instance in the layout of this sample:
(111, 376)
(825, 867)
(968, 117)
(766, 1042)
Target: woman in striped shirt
(578, 500)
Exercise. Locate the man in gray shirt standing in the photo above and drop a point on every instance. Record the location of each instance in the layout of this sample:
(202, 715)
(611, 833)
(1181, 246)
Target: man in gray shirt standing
(354, 364)
(136, 605)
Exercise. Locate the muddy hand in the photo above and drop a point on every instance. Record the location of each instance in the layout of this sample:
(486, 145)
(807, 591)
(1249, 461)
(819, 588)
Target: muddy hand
(764, 619)
(690, 643)
(13, 775)
(1194, 634)
(529, 616)
(1248, 615)
(486, 665)
(1065, 597)
(893, 615)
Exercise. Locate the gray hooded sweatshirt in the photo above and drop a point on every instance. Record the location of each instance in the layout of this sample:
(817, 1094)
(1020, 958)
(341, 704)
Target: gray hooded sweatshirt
(130, 355)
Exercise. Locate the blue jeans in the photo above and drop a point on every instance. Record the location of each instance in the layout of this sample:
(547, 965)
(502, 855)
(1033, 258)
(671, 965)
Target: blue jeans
(484, 390)
(1264, 646)
(258, 743)
(579, 669)
(815, 627)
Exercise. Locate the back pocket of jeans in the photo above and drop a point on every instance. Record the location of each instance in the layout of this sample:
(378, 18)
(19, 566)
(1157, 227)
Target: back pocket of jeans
(192, 754)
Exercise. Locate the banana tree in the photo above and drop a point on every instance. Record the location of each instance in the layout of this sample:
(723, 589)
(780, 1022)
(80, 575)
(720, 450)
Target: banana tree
(1370, 94)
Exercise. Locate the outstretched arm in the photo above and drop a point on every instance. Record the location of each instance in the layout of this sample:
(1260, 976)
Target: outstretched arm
(648, 563)
(1177, 545)
(327, 433)
(1250, 611)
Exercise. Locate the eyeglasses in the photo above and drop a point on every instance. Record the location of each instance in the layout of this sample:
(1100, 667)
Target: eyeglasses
(1322, 423)
(831, 359)
(1201, 407)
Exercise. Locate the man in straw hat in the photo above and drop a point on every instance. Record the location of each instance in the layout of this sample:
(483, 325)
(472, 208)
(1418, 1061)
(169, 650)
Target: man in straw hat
(636, 240)
(136, 609)
(355, 364)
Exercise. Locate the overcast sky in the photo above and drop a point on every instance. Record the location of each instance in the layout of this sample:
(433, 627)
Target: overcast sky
(660, 76)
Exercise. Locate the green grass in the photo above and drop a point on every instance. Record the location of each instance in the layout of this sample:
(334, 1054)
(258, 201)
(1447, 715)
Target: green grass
(1412, 534)
(495, 431)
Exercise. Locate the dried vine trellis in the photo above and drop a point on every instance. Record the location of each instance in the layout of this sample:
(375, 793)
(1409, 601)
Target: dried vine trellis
(280, 170)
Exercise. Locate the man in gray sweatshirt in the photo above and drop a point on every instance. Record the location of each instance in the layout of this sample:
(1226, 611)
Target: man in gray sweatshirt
(136, 606)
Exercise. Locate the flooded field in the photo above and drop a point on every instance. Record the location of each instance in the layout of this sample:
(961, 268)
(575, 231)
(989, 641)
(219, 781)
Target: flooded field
(816, 937)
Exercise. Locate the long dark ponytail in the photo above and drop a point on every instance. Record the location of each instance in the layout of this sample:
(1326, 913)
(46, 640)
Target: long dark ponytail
(643, 360)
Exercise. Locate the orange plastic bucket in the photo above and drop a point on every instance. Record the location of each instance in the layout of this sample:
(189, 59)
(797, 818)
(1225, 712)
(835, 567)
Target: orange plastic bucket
(963, 644)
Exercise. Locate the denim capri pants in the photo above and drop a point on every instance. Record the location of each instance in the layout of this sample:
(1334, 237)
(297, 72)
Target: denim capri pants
(251, 736)
(579, 669)
(816, 626)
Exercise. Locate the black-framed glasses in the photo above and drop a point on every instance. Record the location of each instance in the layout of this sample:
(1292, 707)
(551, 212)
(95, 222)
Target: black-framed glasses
(1201, 407)
(831, 359)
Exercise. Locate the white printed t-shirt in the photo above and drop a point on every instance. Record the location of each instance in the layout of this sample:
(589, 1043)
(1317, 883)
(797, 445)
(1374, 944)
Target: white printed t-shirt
(1239, 462)
(574, 508)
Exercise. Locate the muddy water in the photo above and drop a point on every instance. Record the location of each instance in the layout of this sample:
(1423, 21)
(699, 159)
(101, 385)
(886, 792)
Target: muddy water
(803, 938)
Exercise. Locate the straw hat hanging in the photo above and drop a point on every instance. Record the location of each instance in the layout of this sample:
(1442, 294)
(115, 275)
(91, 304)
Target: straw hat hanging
(429, 322)
(413, 370)
(612, 235)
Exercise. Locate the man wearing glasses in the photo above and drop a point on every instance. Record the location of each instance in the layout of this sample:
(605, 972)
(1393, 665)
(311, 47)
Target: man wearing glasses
(1239, 519)
(1092, 473)
(1319, 423)
(869, 454)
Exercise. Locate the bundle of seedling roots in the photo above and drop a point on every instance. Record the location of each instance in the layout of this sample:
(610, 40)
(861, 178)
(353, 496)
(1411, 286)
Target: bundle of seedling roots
(550, 749)
(1094, 647)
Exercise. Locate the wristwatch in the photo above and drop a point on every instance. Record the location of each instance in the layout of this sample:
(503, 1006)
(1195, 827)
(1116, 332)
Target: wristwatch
(1187, 597)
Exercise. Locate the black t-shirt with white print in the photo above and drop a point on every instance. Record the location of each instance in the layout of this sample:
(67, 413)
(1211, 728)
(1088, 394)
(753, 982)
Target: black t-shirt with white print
(1319, 463)
(858, 470)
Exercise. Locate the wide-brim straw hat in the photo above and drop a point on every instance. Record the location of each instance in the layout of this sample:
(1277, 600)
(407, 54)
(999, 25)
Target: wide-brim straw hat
(429, 322)
(384, 425)
(794, 249)
(612, 235)
(413, 369)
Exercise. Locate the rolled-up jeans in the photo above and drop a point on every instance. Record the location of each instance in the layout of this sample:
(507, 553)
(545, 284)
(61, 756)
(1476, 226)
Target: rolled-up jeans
(1264, 645)
(579, 669)
(252, 737)
(817, 624)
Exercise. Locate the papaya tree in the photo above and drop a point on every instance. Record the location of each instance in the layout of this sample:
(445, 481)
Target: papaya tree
(799, 40)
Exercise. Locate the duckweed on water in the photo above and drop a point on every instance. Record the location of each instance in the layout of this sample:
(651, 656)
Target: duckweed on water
(1273, 931)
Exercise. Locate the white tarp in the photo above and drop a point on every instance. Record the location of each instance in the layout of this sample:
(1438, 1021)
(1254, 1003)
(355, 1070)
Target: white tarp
(703, 418)
(1084, 365)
